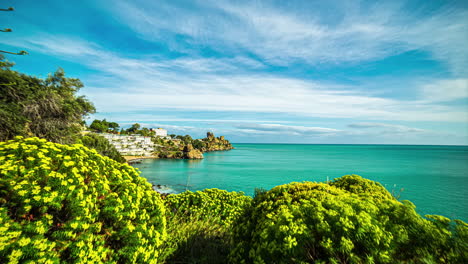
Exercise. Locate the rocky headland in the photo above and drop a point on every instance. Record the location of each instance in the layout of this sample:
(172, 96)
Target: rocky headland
(184, 147)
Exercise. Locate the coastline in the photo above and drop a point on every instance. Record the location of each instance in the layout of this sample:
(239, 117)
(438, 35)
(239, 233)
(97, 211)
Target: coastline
(129, 159)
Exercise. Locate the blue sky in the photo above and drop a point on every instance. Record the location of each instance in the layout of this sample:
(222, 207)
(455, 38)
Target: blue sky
(355, 72)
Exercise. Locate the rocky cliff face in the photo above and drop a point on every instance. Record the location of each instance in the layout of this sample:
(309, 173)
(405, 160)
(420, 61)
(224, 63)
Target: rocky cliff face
(192, 153)
(212, 143)
(187, 148)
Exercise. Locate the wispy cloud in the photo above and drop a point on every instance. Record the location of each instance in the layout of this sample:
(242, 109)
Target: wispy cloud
(387, 128)
(286, 129)
(282, 36)
(264, 68)
(445, 90)
(143, 84)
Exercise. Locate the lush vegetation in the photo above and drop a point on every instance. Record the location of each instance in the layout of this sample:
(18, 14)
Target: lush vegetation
(350, 220)
(103, 126)
(48, 108)
(138, 130)
(221, 205)
(200, 223)
(66, 203)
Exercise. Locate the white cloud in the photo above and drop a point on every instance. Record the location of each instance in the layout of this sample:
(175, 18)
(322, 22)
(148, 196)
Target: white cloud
(58, 45)
(125, 84)
(283, 36)
(391, 128)
(286, 129)
(445, 90)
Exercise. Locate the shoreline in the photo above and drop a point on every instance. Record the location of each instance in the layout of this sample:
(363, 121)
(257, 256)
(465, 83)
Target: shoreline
(129, 159)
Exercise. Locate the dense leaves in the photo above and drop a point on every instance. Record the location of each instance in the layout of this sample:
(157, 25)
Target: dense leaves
(351, 220)
(47, 108)
(199, 225)
(222, 205)
(103, 126)
(66, 203)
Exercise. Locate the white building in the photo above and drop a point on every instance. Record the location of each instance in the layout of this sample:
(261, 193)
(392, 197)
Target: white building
(160, 132)
(133, 145)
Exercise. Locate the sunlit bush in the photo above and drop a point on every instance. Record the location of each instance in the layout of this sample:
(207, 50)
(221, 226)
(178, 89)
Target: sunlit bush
(350, 220)
(66, 203)
(199, 225)
(210, 203)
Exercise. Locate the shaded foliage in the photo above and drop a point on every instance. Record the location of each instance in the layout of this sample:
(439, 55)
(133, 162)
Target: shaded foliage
(199, 225)
(48, 108)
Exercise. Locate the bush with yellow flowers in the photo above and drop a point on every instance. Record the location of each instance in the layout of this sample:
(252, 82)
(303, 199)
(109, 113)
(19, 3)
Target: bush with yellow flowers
(199, 225)
(349, 220)
(210, 203)
(66, 203)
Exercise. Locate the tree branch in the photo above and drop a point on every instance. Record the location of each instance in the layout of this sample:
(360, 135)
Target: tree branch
(22, 52)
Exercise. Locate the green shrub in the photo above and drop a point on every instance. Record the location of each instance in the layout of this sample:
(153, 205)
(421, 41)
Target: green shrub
(210, 203)
(360, 186)
(193, 239)
(66, 203)
(199, 225)
(350, 220)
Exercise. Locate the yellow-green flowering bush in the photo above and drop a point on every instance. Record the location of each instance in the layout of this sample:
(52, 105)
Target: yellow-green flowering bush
(210, 203)
(66, 203)
(199, 225)
(350, 220)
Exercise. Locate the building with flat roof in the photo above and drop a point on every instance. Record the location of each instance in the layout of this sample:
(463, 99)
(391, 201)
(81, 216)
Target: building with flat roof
(160, 132)
(133, 145)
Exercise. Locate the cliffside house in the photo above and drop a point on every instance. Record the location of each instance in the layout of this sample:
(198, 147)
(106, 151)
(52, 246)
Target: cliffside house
(133, 145)
(159, 132)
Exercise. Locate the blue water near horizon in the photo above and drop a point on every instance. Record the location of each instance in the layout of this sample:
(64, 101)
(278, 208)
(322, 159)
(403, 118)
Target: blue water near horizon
(434, 178)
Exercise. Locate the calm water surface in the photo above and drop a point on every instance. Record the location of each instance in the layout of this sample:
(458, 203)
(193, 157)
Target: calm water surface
(434, 178)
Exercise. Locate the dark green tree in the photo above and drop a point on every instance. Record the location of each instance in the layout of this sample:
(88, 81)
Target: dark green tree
(99, 126)
(199, 144)
(103, 126)
(47, 108)
(144, 132)
(113, 126)
(134, 128)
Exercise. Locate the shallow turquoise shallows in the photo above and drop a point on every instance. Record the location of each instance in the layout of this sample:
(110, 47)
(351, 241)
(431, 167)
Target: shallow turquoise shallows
(434, 178)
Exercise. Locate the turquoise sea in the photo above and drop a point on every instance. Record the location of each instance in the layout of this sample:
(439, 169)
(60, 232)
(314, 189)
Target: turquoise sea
(434, 178)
